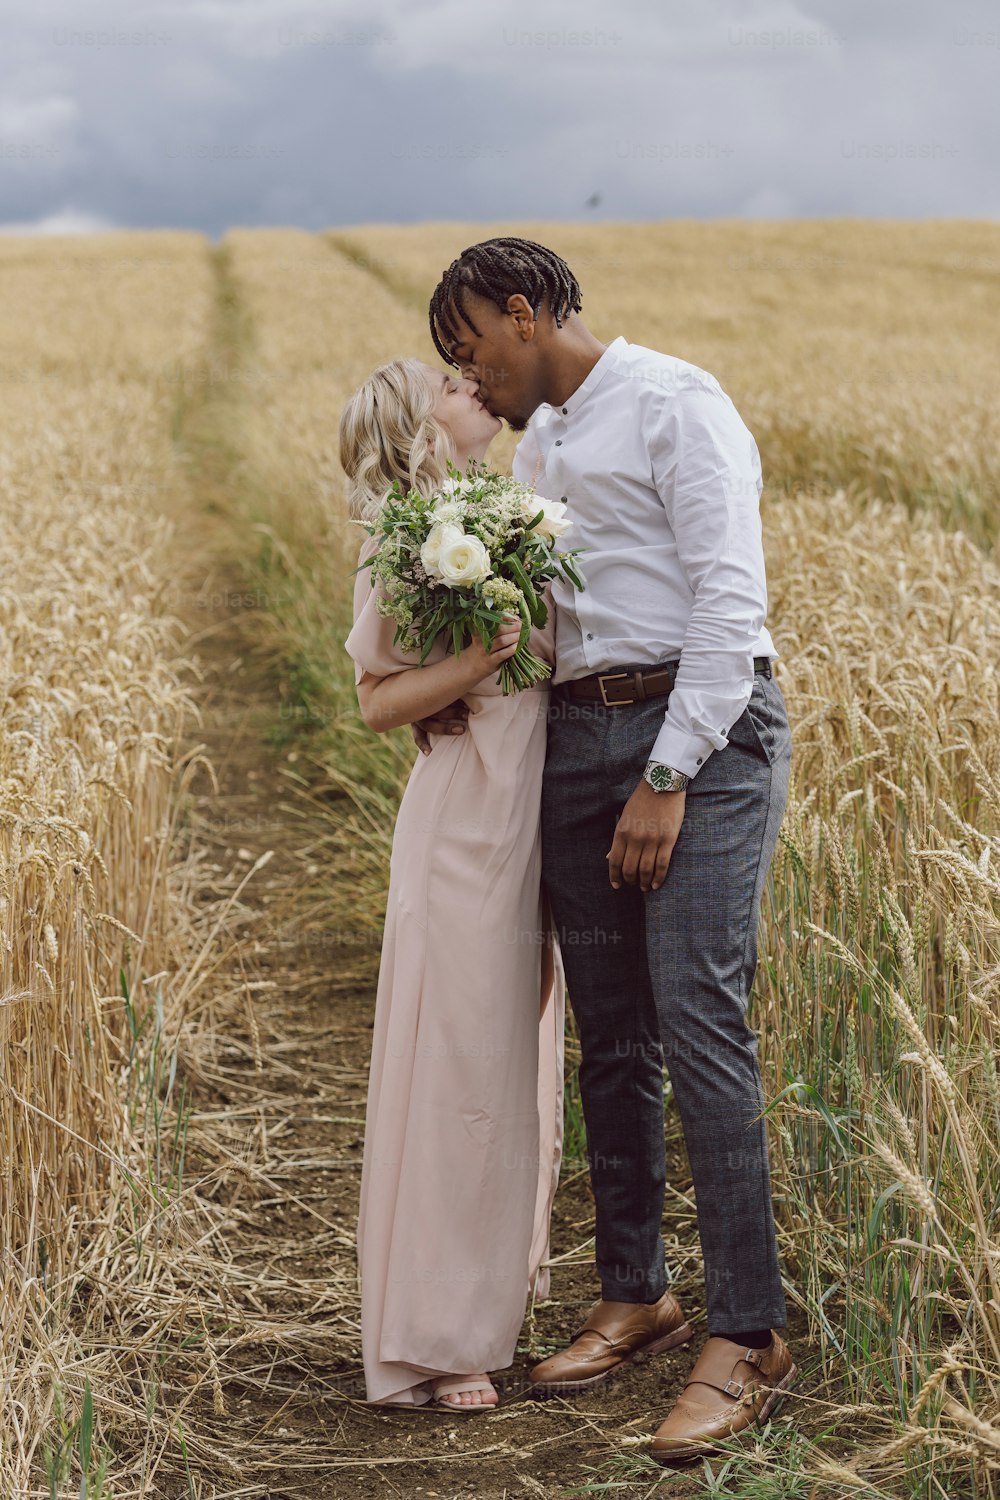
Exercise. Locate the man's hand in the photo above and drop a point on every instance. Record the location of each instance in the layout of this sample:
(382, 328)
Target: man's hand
(645, 836)
(447, 720)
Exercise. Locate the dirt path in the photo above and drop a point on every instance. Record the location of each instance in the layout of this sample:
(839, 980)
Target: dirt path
(276, 1137)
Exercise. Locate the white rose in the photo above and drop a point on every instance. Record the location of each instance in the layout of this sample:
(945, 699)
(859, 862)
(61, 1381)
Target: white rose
(449, 510)
(463, 559)
(530, 506)
(430, 552)
(553, 522)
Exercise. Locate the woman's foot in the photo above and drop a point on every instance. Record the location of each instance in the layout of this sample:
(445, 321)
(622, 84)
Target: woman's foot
(484, 1393)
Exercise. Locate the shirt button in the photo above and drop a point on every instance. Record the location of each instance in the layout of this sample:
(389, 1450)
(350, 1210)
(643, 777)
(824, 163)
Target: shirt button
(590, 635)
(564, 498)
(558, 442)
(564, 411)
(698, 762)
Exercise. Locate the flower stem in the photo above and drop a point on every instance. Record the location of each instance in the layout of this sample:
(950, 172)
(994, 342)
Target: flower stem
(522, 670)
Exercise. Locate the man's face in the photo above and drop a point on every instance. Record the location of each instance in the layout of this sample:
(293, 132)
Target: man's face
(501, 357)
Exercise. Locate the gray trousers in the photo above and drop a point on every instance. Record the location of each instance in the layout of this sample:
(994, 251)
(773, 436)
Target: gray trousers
(664, 977)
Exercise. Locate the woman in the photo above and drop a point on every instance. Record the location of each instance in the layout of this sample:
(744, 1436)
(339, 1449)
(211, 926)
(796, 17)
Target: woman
(463, 1132)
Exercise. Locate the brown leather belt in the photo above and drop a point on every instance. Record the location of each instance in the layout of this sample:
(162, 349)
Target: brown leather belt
(641, 683)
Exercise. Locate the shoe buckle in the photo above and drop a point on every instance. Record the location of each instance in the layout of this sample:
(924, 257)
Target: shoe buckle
(604, 677)
(733, 1387)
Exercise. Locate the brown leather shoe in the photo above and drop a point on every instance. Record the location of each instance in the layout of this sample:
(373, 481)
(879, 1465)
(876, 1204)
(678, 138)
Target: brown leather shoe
(729, 1389)
(614, 1333)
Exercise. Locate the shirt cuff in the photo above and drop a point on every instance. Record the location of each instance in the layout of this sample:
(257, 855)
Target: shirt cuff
(685, 752)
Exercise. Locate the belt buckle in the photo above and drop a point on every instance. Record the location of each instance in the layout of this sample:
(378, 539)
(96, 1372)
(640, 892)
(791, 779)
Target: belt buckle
(603, 677)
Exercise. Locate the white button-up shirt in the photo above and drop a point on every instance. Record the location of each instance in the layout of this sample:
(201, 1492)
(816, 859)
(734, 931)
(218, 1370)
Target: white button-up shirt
(662, 481)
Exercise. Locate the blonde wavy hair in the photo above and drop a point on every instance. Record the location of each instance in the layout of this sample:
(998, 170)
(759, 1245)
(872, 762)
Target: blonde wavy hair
(387, 432)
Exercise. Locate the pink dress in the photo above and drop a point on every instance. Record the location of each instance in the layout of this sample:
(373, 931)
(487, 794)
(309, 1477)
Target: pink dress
(463, 1131)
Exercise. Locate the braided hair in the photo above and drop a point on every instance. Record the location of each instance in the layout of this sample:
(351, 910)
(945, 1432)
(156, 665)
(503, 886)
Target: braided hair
(496, 269)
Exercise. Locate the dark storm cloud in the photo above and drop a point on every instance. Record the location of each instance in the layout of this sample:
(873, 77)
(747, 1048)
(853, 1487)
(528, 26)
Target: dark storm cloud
(210, 113)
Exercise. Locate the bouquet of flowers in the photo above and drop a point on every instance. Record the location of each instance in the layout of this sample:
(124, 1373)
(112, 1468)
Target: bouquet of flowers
(458, 559)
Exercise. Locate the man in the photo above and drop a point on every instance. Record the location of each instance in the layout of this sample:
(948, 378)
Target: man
(666, 780)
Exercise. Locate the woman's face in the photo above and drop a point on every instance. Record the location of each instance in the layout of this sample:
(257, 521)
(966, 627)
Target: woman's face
(459, 408)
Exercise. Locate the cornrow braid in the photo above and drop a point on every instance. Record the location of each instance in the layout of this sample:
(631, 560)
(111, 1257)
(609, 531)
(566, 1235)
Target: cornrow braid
(496, 269)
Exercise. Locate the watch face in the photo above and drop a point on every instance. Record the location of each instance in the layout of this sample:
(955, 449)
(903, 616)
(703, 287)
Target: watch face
(665, 778)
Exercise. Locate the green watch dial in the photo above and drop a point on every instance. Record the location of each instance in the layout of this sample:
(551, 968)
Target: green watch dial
(665, 778)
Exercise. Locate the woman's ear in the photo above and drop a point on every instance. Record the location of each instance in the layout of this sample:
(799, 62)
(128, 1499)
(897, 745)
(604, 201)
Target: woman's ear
(430, 443)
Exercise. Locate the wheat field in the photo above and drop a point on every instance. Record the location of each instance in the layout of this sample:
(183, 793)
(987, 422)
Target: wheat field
(863, 358)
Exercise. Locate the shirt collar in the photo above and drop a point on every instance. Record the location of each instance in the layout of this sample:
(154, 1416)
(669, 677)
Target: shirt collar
(607, 361)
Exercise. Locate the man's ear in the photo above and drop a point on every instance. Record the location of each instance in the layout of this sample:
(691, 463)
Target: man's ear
(523, 315)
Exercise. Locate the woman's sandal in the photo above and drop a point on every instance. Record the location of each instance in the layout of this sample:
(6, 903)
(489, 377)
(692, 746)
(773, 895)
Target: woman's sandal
(446, 1387)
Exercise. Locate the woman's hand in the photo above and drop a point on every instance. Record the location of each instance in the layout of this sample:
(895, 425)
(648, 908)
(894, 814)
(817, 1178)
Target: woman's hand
(482, 663)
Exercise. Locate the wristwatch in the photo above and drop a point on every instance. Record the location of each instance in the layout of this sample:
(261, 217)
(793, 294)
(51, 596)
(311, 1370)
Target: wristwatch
(664, 778)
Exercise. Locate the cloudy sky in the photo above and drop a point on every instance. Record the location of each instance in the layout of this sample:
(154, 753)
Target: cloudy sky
(212, 113)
